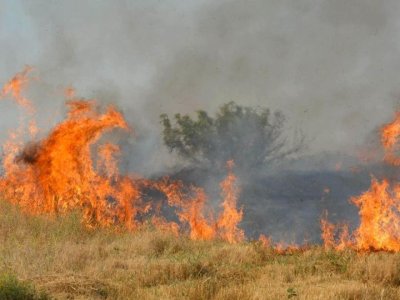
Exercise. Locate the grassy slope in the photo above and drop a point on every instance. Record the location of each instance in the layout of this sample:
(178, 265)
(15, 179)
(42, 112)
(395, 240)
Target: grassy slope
(68, 262)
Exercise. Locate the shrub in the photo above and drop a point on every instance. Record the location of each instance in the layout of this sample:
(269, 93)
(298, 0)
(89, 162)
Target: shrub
(13, 289)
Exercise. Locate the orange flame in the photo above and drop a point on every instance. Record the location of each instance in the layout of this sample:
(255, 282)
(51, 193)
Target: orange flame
(264, 240)
(328, 232)
(191, 209)
(58, 174)
(192, 213)
(380, 219)
(230, 217)
(379, 208)
(15, 87)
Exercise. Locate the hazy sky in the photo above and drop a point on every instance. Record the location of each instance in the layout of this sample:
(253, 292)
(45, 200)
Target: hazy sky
(331, 66)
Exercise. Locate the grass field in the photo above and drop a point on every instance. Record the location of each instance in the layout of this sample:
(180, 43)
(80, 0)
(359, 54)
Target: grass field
(44, 258)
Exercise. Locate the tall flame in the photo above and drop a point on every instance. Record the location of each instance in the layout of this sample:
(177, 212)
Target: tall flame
(59, 173)
(379, 207)
(230, 217)
(191, 209)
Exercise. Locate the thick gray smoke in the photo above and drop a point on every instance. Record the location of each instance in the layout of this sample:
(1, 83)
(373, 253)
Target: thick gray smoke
(331, 66)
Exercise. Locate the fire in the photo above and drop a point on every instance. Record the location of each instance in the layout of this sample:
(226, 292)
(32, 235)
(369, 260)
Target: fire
(379, 208)
(72, 168)
(264, 240)
(334, 237)
(230, 217)
(328, 232)
(191, 209)
(380, 217)
(192, 213)
(69, 169)
(56, 174)
(389, 138)
(15, 87)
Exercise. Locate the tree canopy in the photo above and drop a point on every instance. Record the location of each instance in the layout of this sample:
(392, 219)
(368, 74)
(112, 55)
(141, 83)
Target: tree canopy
(250, 136)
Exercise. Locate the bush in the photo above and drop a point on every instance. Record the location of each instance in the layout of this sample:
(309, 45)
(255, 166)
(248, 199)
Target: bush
(250, 136)
(13, 289)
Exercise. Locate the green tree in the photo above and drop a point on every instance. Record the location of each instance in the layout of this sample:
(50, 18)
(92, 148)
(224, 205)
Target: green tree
(250, 136)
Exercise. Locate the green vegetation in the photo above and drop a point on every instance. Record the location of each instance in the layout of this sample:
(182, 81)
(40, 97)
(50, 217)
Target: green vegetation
(66, 261)
(249, 136)
(13, 289)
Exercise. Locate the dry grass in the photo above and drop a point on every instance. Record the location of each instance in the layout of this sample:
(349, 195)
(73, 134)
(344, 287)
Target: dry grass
(67, 261)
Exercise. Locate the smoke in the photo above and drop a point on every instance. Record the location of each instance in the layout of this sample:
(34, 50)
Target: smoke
(330, 66)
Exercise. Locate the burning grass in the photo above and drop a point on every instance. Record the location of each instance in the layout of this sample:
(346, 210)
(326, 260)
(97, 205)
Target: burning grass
(69, 169)
(74, 226)
(65, 260)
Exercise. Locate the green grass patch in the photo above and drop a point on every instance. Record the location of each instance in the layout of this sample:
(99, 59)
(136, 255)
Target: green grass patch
(13, 289)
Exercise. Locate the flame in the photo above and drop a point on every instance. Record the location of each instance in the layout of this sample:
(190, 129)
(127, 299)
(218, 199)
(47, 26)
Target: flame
(379, 208)
(380, 218)
(69, 169)
(192, 213)
(16, 86)
(230, 217)
(265, 241)
(327, 232)
(191, 209)
(56, 174)
(389, 138)
(14, 90)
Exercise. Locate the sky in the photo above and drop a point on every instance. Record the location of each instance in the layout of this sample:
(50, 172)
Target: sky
(332, 67)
